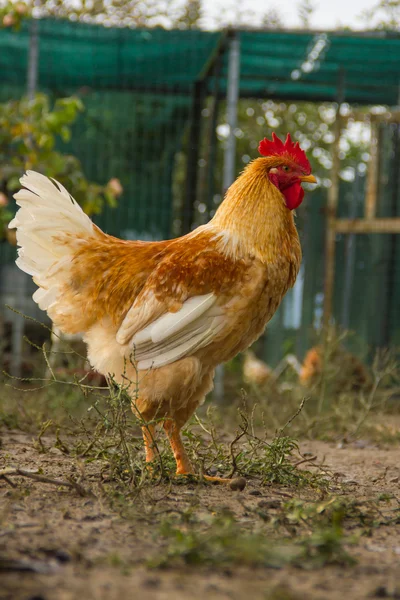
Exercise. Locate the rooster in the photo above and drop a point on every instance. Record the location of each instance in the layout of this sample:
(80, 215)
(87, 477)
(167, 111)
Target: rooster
(164, 314)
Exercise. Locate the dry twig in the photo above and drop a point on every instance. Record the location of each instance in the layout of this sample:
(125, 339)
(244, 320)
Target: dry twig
(5, 473)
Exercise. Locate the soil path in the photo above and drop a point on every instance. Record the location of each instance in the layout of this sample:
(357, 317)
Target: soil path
(78, 547)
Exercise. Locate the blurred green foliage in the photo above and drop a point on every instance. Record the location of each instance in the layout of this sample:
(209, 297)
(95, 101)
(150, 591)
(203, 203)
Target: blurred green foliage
(12, 13)
(30, 134)
(384, 15)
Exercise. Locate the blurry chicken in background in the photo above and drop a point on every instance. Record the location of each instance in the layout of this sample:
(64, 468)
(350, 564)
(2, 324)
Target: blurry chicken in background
(160, 316)
(345, 371)
(256, 371)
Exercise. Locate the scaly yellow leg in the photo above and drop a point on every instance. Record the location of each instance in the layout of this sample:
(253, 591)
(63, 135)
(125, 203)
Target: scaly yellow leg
(149, 441)
(183, 466)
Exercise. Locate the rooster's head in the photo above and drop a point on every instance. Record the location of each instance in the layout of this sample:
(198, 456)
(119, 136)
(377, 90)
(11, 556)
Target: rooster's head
(289, 169)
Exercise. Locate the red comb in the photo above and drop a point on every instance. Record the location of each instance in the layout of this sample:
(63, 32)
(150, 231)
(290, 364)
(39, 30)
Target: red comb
(293, 151)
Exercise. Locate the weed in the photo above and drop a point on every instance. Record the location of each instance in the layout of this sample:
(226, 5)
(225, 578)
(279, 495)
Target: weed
(249, 454)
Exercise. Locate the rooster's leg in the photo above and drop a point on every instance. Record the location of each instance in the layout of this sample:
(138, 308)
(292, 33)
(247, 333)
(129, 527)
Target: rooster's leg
(149, 441)
(183, 466)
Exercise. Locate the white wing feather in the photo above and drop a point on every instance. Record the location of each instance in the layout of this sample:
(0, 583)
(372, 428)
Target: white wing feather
(170, 323)
(173, 336)
(47, 211)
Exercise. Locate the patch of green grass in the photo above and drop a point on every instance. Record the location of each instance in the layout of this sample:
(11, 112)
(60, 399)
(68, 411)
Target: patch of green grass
(114, 559)
(307, 534)
(322, 528)
(220, 540)
(221, 543)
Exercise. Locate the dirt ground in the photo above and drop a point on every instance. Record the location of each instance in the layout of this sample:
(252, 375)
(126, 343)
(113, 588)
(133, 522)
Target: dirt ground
(79, 547)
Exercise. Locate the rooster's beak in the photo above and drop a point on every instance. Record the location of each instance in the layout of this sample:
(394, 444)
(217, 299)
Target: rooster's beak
(308, 179)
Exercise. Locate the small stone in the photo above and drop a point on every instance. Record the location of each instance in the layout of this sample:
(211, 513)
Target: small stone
(361, 444)
(62, 556)
(380, 592)
(56, 451)
(375, 548)
(255, 493)
(394, 480)
(152, 582)
(238, 484)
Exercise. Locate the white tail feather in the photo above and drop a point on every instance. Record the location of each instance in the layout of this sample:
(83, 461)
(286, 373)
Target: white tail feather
(47, 212)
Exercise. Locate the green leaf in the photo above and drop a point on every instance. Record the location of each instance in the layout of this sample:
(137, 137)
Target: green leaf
(110, 199)
(29, 130)
(45, 141)
(65, 133)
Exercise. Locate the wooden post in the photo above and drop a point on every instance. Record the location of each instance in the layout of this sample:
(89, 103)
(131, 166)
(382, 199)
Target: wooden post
(350, 258)
(372, 178)
(384, 225)
(330, 236)
(370, 223)
(333, 200)
(393, 244)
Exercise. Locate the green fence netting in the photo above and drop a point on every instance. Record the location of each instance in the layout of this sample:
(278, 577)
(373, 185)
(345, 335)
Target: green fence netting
(360, 68)
(137, 88)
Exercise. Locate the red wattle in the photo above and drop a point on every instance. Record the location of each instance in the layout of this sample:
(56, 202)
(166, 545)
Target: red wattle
(293, 195)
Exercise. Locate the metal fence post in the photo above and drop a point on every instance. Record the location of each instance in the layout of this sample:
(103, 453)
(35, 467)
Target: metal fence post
(33, 59)
(232, 99)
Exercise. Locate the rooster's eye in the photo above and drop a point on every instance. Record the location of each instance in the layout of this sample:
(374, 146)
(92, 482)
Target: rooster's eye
(286, 168)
